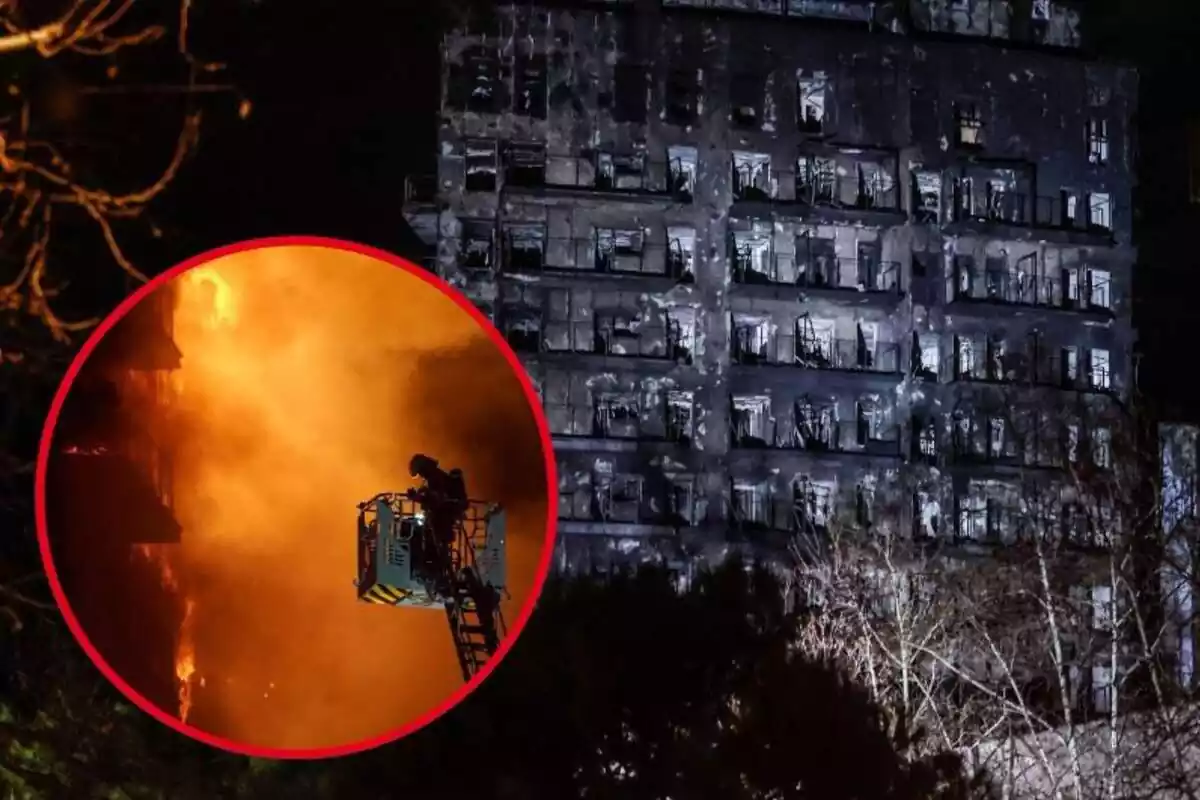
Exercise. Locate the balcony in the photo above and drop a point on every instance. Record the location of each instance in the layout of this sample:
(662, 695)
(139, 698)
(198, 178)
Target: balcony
(752, 348)
(606, 253)
(1016, 288)
(625, 507)
(657, 341)
(832, 273)
(617, 176)
(1022, 210)
(753, 511)
(1000, 208)
(816, 436)
(621, 422)
(844, 192)
(1054, 371)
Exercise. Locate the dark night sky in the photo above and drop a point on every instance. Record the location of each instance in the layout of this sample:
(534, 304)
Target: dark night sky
(344, 104)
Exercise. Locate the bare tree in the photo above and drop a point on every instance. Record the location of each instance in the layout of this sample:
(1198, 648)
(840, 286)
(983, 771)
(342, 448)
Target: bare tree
(1037, 627)
(39, 176)
(59, 179)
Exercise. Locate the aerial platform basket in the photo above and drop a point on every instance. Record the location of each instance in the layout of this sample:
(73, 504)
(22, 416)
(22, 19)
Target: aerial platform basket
(401, 564)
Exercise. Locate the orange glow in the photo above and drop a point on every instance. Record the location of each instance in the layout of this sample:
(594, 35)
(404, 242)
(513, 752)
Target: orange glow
(303, 398)
(185, 660)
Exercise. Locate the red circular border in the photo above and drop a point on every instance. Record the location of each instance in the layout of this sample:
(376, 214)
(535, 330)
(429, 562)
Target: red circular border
(44, 451)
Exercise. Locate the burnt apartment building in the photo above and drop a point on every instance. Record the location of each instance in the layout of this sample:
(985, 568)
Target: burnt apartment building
(760, 256)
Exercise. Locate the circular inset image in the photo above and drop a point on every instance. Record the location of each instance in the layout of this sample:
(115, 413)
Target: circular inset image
(294, 498)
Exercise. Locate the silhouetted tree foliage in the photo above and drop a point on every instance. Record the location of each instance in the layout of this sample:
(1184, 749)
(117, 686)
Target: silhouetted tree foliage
(629, 689)
(618, 689)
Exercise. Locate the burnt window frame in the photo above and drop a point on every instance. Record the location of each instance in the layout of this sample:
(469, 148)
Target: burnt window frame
(1098, 141)
(493, 148)
(968, 115)
(747, 81)
(472, 229)
(535, 152)
(539, 90)
(507, 240)
(629, 79)
(681, 97)
(464, 76)
(803, 124)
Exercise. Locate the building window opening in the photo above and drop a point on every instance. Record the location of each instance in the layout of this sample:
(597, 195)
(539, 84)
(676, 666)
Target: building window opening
(751, 340)
(810, 102)
(750, 422)
(816, 180)
(681, 171)
(927, 197)
(1099, 369)
(525, 165)
(751, 503)
(683, 94)
(679, 417)
(968, 121)
(629, 88)
(620, 172)
(746, 100)
(616, 417)
(681, 254)
(1100, 211)
(525, 247)
(751, 176)
(752, 257)
(478, 245)
(1099, 289)
(529, 79)
(619, 250)
(1097, 141)
(482, 161)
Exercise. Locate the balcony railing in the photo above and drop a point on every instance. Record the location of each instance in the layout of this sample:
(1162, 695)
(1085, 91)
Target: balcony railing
(1019, 209)
(1011, 287)
(630, 507)
(847, 192)
(1004, 208)
(752, 348)
(633, 174)
(799, 511)
(818, 436)
(1019, 368)
(814, 272)
(657, 341)
(620, 423)
(611, 254)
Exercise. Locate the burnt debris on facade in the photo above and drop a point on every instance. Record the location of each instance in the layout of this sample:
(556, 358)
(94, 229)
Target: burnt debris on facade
(756, 262)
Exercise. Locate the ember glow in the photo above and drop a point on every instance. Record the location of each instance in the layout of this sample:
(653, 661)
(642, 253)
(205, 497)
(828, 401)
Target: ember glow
(185, 659)
(300, 396)
(185, 649)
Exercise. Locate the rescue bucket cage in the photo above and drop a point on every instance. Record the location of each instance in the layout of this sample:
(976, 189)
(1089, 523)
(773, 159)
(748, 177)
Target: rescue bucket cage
(478, 548)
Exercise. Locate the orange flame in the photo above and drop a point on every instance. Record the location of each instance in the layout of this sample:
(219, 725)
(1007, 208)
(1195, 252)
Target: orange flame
(223, 309)
(185, 661)
(185, 649)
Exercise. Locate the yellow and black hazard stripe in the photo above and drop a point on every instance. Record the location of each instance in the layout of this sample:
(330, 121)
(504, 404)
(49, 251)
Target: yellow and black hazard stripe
(384, 595)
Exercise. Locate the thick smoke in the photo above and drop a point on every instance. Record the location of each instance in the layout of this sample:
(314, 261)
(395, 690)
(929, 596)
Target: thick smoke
(307, 392)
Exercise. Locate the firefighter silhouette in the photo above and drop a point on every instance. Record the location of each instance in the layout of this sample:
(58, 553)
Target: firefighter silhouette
(444, 497)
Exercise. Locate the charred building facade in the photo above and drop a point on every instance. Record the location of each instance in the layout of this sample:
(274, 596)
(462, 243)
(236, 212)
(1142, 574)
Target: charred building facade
(109, 489)
(760, 255)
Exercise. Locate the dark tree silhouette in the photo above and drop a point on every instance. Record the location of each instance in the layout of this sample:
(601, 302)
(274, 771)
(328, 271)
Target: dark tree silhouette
(628, 689)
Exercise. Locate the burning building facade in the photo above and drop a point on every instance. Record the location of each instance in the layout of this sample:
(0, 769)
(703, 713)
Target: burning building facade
(109, 497)
(759, 255)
